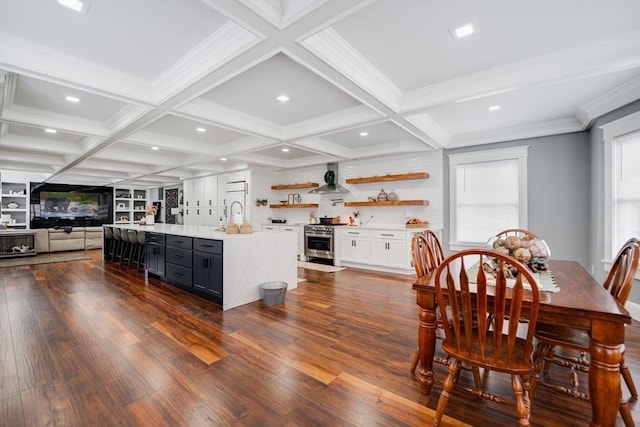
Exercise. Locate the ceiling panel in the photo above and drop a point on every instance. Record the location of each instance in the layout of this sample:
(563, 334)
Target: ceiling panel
(42, 95)
(254, 92)
(421, 51)
(137, 37)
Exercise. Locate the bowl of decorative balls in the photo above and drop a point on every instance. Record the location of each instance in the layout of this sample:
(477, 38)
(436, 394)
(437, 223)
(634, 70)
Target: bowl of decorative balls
(532, 252)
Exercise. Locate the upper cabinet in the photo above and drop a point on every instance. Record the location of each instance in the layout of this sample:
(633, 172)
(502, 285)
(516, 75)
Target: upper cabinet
(388, 177)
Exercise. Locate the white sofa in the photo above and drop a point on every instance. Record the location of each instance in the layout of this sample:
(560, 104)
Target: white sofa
(79, 238)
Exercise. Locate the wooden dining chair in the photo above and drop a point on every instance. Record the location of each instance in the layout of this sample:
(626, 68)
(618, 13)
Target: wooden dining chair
(427, 255)
(550, 336)
(517, 232)
(471, 296)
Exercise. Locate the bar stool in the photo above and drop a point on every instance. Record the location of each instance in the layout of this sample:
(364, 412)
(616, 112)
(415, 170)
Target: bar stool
(124, 237)
(133, 247)
(108, 235)
(117, 241)
(141, 254)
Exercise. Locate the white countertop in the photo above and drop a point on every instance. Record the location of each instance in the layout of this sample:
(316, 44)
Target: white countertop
(362, 227)
(200, 231)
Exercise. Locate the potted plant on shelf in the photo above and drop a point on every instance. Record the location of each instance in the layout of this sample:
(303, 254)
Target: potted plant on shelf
(150, 212)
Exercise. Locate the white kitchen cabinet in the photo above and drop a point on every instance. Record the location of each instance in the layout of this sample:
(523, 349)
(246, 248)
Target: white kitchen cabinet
(299, 229)
(389, 248)
(188, 202)
(201, 201)
(355, 245)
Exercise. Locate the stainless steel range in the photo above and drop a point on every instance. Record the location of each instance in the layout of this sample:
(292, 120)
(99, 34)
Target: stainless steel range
(319, 241)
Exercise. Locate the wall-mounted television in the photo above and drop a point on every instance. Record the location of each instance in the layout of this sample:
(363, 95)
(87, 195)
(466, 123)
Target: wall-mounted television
(62, 205)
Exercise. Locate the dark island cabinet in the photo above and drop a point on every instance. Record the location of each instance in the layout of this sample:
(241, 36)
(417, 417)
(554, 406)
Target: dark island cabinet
(155, 253)
(179, 261)
(207, 268)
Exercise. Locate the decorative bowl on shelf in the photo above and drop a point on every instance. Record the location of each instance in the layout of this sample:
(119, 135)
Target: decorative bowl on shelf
(284, 202)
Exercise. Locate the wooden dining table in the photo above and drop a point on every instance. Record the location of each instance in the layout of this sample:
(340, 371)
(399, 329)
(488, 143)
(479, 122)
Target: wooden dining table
(581, 302)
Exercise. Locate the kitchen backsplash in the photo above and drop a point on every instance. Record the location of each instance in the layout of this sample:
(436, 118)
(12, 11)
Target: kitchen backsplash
(332, 204)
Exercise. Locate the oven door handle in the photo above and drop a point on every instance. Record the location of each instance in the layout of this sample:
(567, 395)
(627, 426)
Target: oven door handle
(318, 235)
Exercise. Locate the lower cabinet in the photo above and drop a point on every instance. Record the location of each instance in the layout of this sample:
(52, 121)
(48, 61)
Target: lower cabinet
(207, 268)
(192, 264)
(389, 249)
(355, 246)
(376, 249)
(154, 253)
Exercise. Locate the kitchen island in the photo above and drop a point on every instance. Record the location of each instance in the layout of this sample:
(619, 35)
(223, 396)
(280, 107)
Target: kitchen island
(183, 254)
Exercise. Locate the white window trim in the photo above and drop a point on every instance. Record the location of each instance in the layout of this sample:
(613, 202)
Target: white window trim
(611, 131)
(519, 153)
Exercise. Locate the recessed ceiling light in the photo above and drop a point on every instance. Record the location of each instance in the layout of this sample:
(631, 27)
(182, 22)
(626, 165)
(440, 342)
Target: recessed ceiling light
(282, 98)
(51, 131)
(155, 148)
(223, 159)
(364, 133)
(72, 99)
(494, 108)
(72, 4)
(201, 129)
(463, 31)
(285, 150)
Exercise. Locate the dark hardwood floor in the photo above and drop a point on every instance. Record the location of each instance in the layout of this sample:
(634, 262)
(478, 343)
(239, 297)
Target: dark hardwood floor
(87, 344)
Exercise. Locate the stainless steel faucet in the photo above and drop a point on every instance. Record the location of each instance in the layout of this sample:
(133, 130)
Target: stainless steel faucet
(231, 208)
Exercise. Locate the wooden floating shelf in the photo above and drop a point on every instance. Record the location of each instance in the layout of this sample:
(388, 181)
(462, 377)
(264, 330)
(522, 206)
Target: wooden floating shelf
(294, 186)
(294, 206)
(383, 178)
(388, 203)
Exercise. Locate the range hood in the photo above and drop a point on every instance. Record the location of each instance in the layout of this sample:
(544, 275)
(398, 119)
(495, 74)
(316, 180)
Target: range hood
(331, 178)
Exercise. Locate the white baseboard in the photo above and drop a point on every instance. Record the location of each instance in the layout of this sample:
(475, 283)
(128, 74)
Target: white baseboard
(634, 309)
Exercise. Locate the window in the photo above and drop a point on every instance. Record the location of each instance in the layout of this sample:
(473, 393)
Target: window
(622, 183)
(488, 194)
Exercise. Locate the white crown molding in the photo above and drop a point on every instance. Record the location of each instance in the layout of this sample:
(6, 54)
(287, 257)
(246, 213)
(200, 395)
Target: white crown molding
(249, 144)
(532, 130)
(329, 46)
(61, 122)
(612, 100)
(280, 13)
(328, 148)
(383, 150)
(602, 57)
(31, 59)
(333, 122)
(24, 166)
(13, 155)
(439, 135)
(148, 138)
(38, 144)
(228, 42)
(125, 117)
(10, 84)
(228, 118)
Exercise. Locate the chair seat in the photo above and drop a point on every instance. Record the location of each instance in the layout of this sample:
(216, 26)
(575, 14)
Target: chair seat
(500, 362)
(561, 335)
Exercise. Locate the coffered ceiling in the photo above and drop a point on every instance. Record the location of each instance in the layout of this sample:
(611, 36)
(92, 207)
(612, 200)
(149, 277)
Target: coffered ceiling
(149, 73)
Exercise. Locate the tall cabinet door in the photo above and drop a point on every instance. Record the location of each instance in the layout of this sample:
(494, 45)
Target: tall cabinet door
(188, 202)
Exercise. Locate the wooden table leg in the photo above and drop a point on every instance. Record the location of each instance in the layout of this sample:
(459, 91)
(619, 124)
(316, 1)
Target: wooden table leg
(607, 346)
(426, 339)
